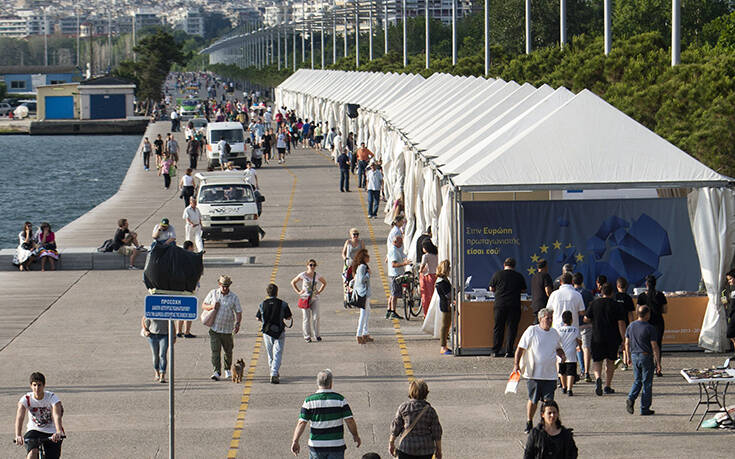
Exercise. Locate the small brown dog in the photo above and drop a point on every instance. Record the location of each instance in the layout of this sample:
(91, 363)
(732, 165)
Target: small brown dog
(237, 369)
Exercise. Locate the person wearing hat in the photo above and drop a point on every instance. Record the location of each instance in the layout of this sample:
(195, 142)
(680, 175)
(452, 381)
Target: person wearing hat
(226, 325)
(163, 233)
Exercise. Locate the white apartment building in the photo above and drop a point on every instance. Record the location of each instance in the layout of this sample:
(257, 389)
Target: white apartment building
(190, 21)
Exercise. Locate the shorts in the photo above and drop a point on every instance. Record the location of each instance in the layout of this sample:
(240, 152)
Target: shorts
(568, 369)
(395, 287)
(540, 389)
(281, 151)
(604, 351)
(126, 250)
(586, 333)
(33, 439)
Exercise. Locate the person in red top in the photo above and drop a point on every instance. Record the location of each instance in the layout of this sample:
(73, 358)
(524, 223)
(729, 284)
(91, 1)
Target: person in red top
(363, 157)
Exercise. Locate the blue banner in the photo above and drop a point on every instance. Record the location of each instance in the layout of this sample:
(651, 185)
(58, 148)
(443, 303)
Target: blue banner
(618, 238)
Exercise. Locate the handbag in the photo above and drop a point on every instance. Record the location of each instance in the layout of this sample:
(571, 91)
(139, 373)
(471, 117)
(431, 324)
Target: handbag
(305, 303)
(172, 171)
(207, 317)
(405, 433)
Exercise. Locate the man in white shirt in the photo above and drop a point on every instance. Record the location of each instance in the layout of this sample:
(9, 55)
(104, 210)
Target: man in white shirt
(396, 267)
(338, 145)
(163, 233)
(193, 219)
(541, 344)
(226, 324)
(566, 299)
(222, 150)
(251, 177)
(374, 184)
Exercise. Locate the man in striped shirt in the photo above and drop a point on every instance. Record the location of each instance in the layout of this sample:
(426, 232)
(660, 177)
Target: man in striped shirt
(325, 410)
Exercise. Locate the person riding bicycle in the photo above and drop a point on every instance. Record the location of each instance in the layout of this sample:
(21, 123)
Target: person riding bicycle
(44, 420)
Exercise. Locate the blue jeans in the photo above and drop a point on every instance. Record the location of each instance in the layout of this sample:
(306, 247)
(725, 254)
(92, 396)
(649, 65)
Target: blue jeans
(373, 202)
(361, 180)
(643, 379)
(326, 455)
(159, 348)
(344, 179)
(274, 349)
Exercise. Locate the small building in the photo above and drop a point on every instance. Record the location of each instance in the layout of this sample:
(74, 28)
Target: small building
(25, 79)
(106, 97)
(58, 102)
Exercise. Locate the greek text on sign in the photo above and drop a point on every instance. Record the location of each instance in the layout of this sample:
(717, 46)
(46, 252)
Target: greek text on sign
(171, 307)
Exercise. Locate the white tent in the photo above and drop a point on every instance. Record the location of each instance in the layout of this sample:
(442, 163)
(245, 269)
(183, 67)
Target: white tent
(446, 135)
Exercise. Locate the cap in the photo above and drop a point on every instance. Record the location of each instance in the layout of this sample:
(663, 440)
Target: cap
(224, 280)
(164, 222)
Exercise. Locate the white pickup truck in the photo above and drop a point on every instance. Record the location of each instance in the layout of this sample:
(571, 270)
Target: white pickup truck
(229, 207)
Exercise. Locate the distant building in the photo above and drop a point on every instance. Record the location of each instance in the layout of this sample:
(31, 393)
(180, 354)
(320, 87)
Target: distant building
(106, 97)
(58, 102)
(190, 21)
(25, 79)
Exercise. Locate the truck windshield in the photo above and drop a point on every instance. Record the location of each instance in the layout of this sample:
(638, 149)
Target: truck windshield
(229, 135)
(225, 194)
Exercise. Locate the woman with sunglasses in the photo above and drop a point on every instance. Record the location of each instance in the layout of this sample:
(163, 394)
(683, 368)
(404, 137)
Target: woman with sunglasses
(550, 439)
(312, 285)
(352, 245)
(26, 245)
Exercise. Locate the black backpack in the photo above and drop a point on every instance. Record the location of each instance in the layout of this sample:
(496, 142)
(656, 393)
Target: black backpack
(272, 324)
(106, 246)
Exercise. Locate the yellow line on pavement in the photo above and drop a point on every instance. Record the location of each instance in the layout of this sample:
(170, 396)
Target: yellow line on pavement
(248, 384)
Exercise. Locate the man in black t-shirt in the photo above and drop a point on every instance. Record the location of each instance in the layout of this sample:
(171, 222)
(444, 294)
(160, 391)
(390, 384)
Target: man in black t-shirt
(507, 284)
(626, 302)
(541, 288)
(608, 330)
(125, 242)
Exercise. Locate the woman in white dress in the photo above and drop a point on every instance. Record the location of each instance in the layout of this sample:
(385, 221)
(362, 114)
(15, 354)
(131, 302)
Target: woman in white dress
(24, 253)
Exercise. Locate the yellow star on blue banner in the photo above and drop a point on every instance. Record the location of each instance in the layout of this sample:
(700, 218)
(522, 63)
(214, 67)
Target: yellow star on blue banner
(531, 271)
(535, 258)
(557, 245)
(579, 258)
(544, 248)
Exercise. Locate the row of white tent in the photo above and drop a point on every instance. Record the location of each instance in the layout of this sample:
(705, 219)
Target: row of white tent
(444, 135)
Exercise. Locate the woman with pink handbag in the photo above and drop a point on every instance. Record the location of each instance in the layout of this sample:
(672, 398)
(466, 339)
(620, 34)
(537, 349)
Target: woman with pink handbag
(312, 285)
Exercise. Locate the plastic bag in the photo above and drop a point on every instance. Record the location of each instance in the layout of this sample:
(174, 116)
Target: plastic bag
(513, 380)
(170, 267)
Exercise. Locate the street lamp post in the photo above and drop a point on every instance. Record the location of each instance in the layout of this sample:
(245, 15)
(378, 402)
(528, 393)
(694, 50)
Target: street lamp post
(608, 26)
(675, 32)
(370, 30)
(454, 32)
(562, 23)
(385, 26)
(528, 26)
(357, 33)
(405, 42)
(426, 15)
(487, 39)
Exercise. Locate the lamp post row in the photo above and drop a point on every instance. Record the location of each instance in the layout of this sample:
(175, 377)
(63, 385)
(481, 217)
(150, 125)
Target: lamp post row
(258, 47)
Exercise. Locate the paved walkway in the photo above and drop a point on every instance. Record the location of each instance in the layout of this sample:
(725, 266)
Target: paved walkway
(81, 330)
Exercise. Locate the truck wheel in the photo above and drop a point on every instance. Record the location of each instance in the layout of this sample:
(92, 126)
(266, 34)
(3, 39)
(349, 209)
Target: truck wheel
(255, 240)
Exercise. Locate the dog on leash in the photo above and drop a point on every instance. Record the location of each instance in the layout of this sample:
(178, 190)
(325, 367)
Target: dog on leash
(237, 369)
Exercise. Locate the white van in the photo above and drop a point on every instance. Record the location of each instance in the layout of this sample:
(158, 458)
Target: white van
(233, 134)
(228, 205)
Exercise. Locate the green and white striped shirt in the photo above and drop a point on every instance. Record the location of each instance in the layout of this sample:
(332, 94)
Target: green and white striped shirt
(325, 410)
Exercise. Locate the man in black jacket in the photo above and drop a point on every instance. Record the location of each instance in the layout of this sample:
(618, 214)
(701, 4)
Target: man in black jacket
(507, 284)
(272, 312)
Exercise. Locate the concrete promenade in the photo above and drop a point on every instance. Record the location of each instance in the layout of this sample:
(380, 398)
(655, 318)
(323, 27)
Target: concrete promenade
(81, 329)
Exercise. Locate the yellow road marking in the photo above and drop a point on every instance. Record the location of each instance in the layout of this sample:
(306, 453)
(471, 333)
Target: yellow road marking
(248, 384)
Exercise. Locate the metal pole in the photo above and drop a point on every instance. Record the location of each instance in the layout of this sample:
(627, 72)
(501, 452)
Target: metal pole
(562, 23)
(311, 45)
(357, 34)
(303, 29)
(675, 32)
(109, 41)
(270, 47)
(171, 373)
(385, 26)
(278, 45)
(45, 39)
(345, 34)
(321, 40)
(370, 30)
(454, 32)
(78, 33)
(405, 42)
(528, 26)
(426, 11)
(608, 26)
(487, 39)
(334, 39)
(294, 47)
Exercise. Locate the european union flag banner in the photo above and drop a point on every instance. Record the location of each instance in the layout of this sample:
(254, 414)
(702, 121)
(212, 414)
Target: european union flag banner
(618, 238)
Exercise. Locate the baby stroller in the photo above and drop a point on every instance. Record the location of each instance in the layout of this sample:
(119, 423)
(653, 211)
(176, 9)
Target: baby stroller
(347, 283)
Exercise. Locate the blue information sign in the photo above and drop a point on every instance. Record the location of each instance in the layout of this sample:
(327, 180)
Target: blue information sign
(171, 307)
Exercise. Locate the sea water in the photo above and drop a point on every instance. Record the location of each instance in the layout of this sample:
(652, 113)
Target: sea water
(56, 179)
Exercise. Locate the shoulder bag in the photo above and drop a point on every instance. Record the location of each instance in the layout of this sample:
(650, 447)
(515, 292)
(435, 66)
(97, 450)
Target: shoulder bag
(208, 315)
(305, 303)
(407, 431)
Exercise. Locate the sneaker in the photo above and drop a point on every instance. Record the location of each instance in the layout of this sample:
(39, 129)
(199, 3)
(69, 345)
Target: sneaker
(563, 390)
(275, 379)
(228, 374)
(609, 390)
(308, 340)
(625, 367)
(395, 315)
(318, 338)
(618, 362)
(215, 376)
(133, 267)
(629, 404)
(570, 393)
(387, 314)
(179, 335)
(647, 412)
(189, 335)
(587, 377)
(598, 386)
(529, 426)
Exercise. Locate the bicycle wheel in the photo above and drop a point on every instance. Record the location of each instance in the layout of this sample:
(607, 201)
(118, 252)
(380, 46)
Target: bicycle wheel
(415, 301)
(406, 303)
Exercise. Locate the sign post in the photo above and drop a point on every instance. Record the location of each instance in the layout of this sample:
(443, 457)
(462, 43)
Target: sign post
(171, 308)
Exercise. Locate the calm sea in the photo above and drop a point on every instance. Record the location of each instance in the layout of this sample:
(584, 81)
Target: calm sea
(57, 178)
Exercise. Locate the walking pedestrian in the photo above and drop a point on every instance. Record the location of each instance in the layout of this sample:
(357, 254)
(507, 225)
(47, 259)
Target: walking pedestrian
(374, 184)
(550, 439)
(397, 263)
(272, 312)
(226, 325)
(656, 302)
(585, 329)
(363, 155)
(541, 287)
(193, 224)
(362, 292)
(281, 145)
(344, 171)
(427, 273)
(415, 431)
(194, 150)
(626, 302)
(444, 291)
(146, 150)
(312, 285)
(157, 333)
(326, 410)
(570, 342)
(608, 330)
(165, 170)
(566, 299)
(644, 355)
(540, 344)
(507, 284)
(186, 187)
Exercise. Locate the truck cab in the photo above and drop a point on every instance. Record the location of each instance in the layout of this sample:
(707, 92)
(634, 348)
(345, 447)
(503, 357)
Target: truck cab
(233, 134)
(228, 205)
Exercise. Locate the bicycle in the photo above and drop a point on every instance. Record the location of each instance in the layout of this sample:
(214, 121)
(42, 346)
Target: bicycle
(41, 444)
(411, 295)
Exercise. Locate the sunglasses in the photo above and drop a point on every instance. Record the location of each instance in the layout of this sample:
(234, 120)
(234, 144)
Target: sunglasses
(312, 265)
(355, 234)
